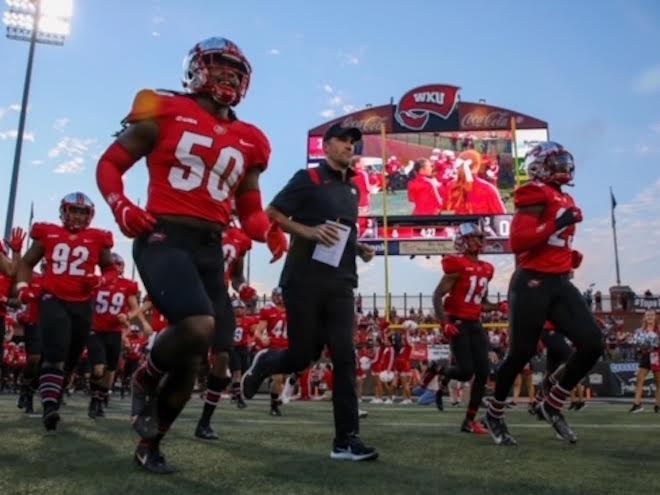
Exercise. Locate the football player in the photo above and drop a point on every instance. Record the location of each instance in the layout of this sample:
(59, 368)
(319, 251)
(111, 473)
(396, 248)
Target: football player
(272, 320)
(135, 347)
(542, 232)
(8, 271)
(200, 158)
(29, 317)
(72, 252)
(115, 302)
(235, 245)
(465, 285)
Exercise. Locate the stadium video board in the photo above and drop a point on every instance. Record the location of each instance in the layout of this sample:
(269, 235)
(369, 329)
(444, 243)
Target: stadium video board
(431, 162)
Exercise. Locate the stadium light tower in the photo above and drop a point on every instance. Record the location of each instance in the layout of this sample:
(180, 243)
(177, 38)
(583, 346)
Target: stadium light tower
(35, 21)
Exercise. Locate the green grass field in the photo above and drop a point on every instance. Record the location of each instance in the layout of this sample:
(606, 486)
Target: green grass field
(421, 451)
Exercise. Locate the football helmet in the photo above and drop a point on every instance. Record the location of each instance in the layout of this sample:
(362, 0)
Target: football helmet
(221, 52)
(469, 238)
(550, 162)
(276, 296)
(118, 261)
(76, 211)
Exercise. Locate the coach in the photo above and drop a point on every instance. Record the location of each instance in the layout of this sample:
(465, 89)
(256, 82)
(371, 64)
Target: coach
(319, 208)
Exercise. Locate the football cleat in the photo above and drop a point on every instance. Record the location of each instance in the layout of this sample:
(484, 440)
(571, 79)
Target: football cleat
(51, 417)
(287, 392)
(22, 399)
(240, 403)
(499, 431)
(636, 408)
(558, 422)
(205, 432)
(362, 413)
(580, 405)
(353, 450)
(656, 409)
(92, 409)
(29, 404)
(438, 399)
(100, 412)
(473, 427)
(275, 411)
(150, 459)
(252, 379)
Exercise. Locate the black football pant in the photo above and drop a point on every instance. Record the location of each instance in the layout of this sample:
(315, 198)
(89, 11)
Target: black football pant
(557, 350)
(534, 298)
(469, 350)
(320, 313)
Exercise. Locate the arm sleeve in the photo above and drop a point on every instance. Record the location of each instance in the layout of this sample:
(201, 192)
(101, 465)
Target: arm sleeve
(528, 231)
(293, 196)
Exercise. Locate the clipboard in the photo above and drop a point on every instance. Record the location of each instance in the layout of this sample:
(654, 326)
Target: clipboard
(331, 255)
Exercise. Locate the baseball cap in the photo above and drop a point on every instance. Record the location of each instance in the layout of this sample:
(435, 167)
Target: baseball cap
(337, 131)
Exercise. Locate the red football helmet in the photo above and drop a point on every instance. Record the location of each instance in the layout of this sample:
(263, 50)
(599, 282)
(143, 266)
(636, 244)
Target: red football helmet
(118, 261)
(222, 53)
(76, 211)
(550, 162)
(469, 238)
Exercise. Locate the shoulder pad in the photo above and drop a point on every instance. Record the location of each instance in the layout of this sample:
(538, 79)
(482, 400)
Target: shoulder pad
(452, 264)
(152, 104)
(261, 153)
(530, 194)
(40, 230)
(104, 237)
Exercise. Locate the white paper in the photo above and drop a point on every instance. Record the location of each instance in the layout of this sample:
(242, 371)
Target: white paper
(331, 255)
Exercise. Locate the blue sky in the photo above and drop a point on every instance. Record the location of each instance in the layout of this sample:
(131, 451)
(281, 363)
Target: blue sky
(591, 69)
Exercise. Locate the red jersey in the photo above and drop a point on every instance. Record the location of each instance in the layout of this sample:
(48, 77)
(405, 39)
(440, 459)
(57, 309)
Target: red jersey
(111, 301)
(243, 336)
(198, 160)
(8, 353)
(363, 184)
(424, 192)
(135, 346)
(556, 255)
(235, 244)
(483, 198)
(464, 300)
(30, 315)
(158, 321)
(275, 319)
(71, 257)
(6, 284)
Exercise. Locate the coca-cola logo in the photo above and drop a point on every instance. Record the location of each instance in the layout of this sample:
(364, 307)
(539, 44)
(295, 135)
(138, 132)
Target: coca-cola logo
(368, 125)
(416, 107)
(496, 119)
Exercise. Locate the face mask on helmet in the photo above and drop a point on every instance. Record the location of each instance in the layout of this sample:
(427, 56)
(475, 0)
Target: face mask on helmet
(217, 66)
(550, 162)
(76, 211)
(469, 238)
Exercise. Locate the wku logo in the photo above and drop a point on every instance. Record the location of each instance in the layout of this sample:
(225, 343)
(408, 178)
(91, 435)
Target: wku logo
(416, 106)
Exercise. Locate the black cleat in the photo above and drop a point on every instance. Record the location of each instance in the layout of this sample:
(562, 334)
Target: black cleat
(29, 404)
(636, 408)
(205, 432)
(499, 431)
(22, 398)
(150, 459)
(275, 411)
(656, 409)
(580, 405)
(100, 412)
(353, 450)
(240, 403)
(253, 377)
(558, 422)
(92, 409)
(51, 418)
(143, 410)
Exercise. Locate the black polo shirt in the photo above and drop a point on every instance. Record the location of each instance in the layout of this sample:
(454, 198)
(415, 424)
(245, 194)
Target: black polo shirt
(311, 197)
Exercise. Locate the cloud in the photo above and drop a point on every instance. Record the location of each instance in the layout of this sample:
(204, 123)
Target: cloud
(13, 134)
(73, 166)
(348, 59)
(71, 147)
(37, 162)
(15, 107)
(335, 101)
(327, 113)
(656, 127)
(648, 81)
(638, 235)
(274, 51)
(157, 20)
(60, 124)
(2, 112)
(348, 108)
(328, 89)
(155, 34)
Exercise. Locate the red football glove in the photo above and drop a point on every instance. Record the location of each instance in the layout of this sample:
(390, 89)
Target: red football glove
(576, 259)
(28, 294)
(276, 241)
(450, 331)
(15, 242)
(246, 293)
(93, 281)
(132, 220)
